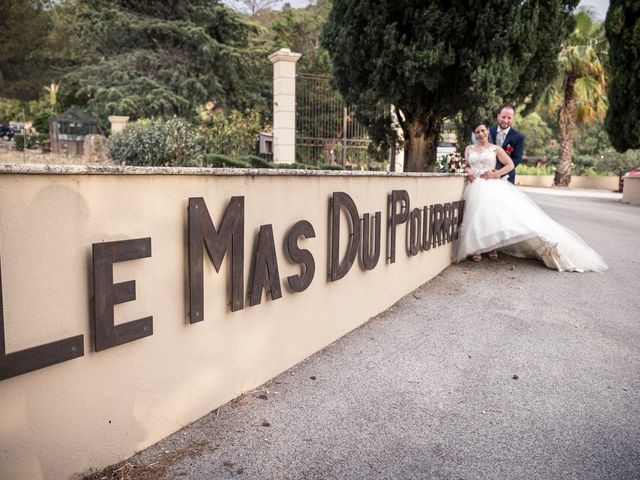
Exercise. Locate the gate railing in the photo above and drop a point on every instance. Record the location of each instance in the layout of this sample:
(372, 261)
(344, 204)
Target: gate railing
(326, 128)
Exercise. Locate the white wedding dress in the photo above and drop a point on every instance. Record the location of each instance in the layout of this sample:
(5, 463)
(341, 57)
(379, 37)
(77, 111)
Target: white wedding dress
(497, 215)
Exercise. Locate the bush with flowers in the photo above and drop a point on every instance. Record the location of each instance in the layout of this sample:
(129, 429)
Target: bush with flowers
(450, 163)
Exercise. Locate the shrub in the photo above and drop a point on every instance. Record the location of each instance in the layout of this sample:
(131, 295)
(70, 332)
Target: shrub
(534, 170)
(232, 133)
(19, 142)
(330, 166)
(171, 142)
(216, 160)
(255, 161)
(41, 122)
(295, 166)
(618, 163)
(223, 161)
(32, 140)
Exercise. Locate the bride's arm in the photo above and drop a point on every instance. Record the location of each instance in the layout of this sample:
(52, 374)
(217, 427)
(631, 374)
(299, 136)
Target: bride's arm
(467, 169)
(505, 160)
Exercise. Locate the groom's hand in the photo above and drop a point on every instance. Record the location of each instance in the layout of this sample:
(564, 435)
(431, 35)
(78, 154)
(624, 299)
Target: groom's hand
(470, 176)
(490, 174)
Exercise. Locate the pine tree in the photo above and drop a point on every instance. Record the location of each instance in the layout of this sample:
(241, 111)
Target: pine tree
(622, 27)
(434, 60)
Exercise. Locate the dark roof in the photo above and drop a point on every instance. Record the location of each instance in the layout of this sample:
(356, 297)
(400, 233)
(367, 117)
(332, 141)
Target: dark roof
(75, 115)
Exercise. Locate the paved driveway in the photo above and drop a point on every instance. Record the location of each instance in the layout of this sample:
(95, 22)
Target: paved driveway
(495, 370)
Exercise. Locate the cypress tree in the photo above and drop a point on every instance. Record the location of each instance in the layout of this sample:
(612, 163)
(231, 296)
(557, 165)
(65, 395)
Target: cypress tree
(24, 27)
(435, 59)
(622, 27)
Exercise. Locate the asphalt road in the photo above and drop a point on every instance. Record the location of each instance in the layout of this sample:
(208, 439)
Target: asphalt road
(492, 370)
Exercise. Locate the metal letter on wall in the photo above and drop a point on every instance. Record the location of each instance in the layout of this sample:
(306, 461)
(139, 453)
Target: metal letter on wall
(230, 235)
(265, 269)
(35, 358)
(107, 294)
(413, 232)
(437, 223)
(299, 283)
(338, 269)
(395, 219)
(370, 251)
(427, 227)
(446, 225)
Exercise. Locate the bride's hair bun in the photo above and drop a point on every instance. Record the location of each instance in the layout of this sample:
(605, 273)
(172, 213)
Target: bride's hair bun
(477, 123)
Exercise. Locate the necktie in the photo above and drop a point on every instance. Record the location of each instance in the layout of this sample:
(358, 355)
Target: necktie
(500, 137)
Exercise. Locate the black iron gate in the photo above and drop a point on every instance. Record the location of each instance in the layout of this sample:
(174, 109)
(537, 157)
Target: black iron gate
(326, 129)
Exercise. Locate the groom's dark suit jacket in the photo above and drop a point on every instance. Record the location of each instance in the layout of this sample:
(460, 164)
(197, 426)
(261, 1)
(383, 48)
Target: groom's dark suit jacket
(513, 145)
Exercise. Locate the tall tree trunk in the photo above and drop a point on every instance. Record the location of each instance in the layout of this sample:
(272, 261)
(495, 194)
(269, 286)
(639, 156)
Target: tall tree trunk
(421, 144)
(566, 126)
(415, 148)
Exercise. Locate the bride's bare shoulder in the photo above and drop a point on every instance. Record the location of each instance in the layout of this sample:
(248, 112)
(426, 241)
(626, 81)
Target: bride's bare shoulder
(472, 148)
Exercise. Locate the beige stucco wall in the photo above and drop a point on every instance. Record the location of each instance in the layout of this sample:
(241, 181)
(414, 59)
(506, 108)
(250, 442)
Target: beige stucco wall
(100, 408)
(631, 190)
(534, 180)
(599, 183)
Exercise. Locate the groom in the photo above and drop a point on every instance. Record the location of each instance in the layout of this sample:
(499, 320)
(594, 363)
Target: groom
(508, 138)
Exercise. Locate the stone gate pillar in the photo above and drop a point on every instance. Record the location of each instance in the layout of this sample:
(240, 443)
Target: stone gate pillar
(118, 123)
(284, 105)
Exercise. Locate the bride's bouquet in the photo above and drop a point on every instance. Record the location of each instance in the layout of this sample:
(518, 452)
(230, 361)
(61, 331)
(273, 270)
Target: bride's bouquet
(450, 163)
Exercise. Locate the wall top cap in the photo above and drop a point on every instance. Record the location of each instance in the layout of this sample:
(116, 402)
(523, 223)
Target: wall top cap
(117, 118)
(97, 169)
(284, 54)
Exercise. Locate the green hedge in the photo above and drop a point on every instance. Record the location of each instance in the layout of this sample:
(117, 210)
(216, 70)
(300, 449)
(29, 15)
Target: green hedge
(295, 166)
(329, 166)
(217, 160)
(32, 140)
(533, 170)
(255, 161)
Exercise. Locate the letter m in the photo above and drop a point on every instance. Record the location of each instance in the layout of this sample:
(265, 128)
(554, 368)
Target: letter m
(229, 236)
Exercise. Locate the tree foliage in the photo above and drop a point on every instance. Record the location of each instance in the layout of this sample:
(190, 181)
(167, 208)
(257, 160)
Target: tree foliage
(623, 32)
(578, 95)
(231, 133)
(433, 60)
(539, 137)
(618, 163)
(252, 7)
(300, 29)
(591, 139)
(10, 109)
(24, 30)
(155, 58)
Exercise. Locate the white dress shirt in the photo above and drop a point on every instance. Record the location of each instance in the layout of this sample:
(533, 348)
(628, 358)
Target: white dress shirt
(501, 135)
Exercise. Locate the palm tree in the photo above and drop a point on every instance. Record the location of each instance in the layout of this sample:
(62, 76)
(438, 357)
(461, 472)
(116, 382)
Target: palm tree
(52, 93)
(578, 96)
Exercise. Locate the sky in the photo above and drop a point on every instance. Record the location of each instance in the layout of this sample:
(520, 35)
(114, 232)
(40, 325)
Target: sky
(599, 6)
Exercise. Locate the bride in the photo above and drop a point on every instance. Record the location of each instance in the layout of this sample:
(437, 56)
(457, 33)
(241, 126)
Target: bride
(499, 216)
